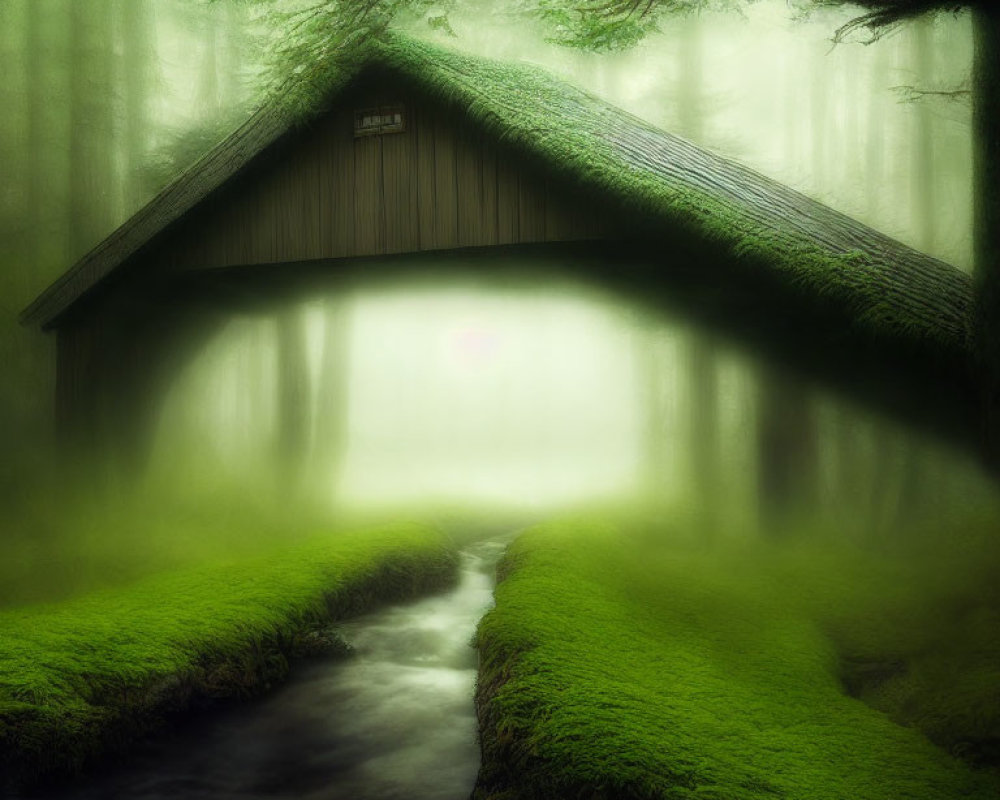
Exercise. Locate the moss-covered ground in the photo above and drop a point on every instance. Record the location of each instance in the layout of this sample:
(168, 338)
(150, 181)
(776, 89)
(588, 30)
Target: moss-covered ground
(87, 674)
(622, 661)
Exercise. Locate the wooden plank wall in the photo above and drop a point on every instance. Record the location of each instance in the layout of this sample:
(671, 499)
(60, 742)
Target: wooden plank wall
(440, 184)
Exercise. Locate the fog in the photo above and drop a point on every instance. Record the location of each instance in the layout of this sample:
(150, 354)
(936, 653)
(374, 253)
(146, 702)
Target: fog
(869, 129)
(480, 396)
(454, 391)
(449, 393)
(539, 397)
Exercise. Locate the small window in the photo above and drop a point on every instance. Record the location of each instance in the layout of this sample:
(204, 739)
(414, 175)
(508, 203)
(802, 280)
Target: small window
(376, 121)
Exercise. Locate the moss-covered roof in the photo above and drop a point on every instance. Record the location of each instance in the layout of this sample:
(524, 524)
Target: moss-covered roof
(884, 284)
(885, 287)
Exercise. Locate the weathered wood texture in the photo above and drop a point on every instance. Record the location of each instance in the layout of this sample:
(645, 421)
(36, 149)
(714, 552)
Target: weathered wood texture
(438, 185)
(933, 295)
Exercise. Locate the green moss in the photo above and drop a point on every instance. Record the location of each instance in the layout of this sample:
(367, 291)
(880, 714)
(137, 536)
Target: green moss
(889, 292)
(85, 675)
(611, 669)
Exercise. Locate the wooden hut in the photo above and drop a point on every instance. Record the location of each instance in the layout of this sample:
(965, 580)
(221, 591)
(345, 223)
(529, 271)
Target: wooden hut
(423, 153)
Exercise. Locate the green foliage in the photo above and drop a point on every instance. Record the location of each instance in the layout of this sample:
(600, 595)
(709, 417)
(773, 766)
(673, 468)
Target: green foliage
(626, 662)
(587, 28)
(83, 676)
(313, 45)
(881, 17)
(614, 25)
(311, 41)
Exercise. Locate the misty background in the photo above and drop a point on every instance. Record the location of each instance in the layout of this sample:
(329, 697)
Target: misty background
(531, 397)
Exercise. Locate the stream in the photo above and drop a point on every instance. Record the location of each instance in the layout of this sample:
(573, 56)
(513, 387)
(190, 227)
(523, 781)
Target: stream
(394, 720)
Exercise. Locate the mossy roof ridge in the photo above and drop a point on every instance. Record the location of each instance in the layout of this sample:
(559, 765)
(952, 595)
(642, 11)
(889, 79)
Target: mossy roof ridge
(884, 283)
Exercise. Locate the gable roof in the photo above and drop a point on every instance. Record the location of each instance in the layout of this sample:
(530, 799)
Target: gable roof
(885, 287)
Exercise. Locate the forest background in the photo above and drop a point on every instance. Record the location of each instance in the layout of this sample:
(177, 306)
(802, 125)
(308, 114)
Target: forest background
(106, 100)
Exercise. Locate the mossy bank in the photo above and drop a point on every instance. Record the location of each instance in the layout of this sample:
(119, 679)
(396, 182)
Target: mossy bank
(621, 663)
(84, 677)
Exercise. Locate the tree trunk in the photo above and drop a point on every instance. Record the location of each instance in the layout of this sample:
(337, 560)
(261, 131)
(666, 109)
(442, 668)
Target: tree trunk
(91, 140)
(875, 137)
(787, 458)
(45, 195)
(137, 65)
(883, 483)
(703, 418)
(986, 219)
(36, 100)
(819, 99)
(13, 20)
(656, 452)
(702, 391)
(331, 404)
(234, 88)
(922, 180)
(13, 233)
(690, 110)
(847, 476)
(790, 109)
(293, 423)
(208, 92)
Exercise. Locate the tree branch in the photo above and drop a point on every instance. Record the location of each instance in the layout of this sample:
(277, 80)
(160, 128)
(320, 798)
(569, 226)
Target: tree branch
(910, 94)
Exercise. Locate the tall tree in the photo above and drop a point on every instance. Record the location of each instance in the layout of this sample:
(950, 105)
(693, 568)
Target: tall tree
(137, 75)
(883, 15)
(876, 132)
(690, 84)
(791, 108)
(330, 435)
(649, 348)
(922, 169)
(294, 424)
(13, 58)
(703, 424)
(208, 90)
(35, 102)
(819, 134)
(787, 444)
(231, 71)
(703, 394)
(15, 251)
(92, 114)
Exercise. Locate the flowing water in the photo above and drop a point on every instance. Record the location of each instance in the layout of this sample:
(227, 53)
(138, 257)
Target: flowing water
(395, 720)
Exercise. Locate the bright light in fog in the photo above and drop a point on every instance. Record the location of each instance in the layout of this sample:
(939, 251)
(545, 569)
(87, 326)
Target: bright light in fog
(448, 393)
(544, 396)
(467, 394)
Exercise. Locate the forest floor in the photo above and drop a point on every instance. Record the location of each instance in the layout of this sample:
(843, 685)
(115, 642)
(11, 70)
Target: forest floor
(85, 674)
(623, 660)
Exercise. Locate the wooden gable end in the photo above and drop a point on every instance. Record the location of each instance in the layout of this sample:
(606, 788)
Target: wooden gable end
(325, 193)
